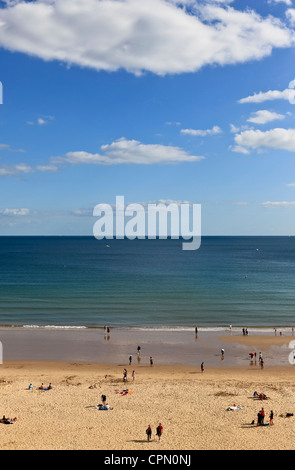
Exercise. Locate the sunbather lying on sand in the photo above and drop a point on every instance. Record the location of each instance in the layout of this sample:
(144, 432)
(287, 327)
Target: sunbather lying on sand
(5, 420)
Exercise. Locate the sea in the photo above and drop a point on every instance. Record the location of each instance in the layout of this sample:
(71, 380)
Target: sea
(81, 282)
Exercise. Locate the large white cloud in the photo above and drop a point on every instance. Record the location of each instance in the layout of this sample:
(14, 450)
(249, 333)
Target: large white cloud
(278, 138)
(125, 151)
(161, 36)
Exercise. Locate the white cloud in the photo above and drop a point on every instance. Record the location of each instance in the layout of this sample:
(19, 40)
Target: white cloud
(7, 147)
(47, 168)
(267, 96)
(160, 36)
(278, 138)
(278, 204)
(263, 116)
(291, 184)
(202, 132)
(124, 151)
(234, 129)
(240, 149)
(41, 121)
(20, 168)
(290, 14)
(15, 212)
(286, 2)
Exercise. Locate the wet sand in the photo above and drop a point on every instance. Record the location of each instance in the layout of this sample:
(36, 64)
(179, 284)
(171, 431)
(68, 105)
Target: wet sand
(166, 347)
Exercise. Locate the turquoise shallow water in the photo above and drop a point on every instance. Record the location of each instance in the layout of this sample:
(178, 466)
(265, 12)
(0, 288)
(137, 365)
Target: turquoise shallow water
(82, 282)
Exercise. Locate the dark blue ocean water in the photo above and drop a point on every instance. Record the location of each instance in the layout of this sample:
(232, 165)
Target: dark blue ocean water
(80, 281)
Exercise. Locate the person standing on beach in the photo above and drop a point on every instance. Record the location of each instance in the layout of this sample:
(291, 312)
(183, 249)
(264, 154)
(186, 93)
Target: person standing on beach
(149, 432)
(159, 431)
(130, 359)
(124, 375)
(262, 414)
(151, 361)
(133, 375)
(202, 367)
(271, 418)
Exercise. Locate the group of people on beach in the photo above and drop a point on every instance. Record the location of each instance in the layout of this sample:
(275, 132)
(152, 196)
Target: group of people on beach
(30, 387)
(261, 416)
(159, 432)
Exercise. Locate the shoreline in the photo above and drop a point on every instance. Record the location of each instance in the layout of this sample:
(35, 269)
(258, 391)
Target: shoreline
(171, 347)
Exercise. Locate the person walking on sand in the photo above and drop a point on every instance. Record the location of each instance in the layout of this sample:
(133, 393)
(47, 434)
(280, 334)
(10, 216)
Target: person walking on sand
(259, 418)
(149, 432)
(159, 431)
(133, 375)
(202, 367)
(130, 359)
(262, 414)
(151, 361)
(271, 418)
(124, 375)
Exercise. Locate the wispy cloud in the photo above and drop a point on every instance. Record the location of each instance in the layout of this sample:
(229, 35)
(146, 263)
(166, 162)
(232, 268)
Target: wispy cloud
(41, 121)
(278, 204)
(15, 212)
(202, 132)
(20, 168)
(286, 2)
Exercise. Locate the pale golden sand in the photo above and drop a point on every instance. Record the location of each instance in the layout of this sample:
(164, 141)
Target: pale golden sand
(191, 406)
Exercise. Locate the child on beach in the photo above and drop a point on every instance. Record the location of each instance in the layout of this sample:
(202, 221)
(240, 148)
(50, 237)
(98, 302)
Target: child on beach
(124, 375)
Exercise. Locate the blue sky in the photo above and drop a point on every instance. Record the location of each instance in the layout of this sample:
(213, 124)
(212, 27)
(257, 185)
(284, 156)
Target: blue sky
(151, 99)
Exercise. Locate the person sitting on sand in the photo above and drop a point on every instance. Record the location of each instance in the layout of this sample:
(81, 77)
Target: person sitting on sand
(262, 396)
(30, 387)
(41, 387)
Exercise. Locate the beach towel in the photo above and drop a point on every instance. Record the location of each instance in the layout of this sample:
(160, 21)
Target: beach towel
(232, 408)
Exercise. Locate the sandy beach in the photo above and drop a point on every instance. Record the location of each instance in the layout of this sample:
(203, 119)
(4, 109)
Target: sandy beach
(192, 406)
